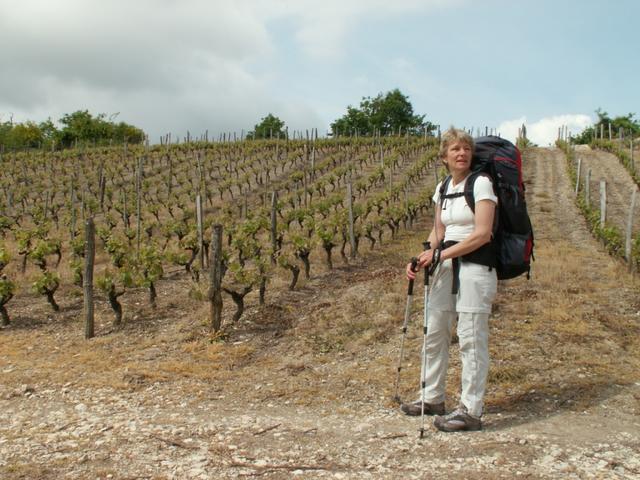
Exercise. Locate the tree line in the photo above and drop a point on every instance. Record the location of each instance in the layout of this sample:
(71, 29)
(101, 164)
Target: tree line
(385, 114)
(80, 127)
(622, 123)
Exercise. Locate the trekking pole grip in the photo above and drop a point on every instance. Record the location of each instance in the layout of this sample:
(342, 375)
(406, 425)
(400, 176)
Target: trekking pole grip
(414, 265)
(427, 246)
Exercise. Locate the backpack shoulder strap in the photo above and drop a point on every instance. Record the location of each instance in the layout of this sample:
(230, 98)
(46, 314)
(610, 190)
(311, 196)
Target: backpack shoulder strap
(468, 188)
(443, 189)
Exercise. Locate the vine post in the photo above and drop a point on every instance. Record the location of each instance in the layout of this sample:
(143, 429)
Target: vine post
(620, 137)
(352, 237)
(587, 189)
(139, 204)
(73, 209)
(274, 226)
(579, 171)
(304, 186)
(200, 231)
(215, 278)
(627, 244)
(603, 202)
(87, 279)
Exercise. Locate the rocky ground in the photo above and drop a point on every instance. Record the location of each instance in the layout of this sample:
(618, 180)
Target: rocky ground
(303, 387)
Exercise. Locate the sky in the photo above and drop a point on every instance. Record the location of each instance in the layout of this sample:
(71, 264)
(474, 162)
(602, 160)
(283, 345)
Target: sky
(178, 66)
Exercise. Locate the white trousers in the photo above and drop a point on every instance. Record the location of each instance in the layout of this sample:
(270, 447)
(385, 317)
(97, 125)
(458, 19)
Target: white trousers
(472, 306)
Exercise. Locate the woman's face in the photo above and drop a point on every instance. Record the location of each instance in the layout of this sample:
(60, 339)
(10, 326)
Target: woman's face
(458, 157)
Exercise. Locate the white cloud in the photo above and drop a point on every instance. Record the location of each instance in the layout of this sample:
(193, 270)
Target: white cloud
(322, 28)
(545, 131)
(169, 65)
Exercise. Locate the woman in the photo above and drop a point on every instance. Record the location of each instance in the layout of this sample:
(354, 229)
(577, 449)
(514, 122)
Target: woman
(460, 288)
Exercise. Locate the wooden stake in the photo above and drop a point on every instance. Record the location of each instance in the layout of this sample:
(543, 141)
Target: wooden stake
(627, 245)
(200, 231)
(603, 202)
(587, 188)
(352, 237)
(215, 279)
(274, 226)
(87, 279)
(139, 204)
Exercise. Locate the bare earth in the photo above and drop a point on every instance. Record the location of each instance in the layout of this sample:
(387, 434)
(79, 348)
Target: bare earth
(303, 387)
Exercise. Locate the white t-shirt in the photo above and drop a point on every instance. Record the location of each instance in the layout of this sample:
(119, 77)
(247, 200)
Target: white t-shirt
(456, 215)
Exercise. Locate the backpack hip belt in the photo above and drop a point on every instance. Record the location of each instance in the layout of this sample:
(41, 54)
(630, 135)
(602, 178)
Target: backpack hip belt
(484, 255)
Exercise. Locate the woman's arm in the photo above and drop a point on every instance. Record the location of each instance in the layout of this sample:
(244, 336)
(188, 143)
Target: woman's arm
(435, 239)
(481, 235)
(437, 232)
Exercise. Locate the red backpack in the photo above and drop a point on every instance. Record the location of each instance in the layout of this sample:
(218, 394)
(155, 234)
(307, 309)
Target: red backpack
(511, 248)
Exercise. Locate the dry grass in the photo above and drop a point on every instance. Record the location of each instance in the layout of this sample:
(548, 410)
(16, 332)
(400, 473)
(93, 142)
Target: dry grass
(562, 336)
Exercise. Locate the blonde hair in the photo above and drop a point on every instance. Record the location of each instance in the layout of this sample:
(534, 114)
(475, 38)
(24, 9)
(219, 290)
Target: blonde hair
(452, 136)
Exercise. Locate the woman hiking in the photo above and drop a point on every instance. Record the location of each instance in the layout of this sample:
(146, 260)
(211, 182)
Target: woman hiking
(460, 288)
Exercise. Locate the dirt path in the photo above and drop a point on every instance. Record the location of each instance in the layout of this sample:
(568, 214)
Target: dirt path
(303, 387)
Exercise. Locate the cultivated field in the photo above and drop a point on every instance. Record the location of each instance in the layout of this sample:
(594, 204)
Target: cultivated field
(302, 385)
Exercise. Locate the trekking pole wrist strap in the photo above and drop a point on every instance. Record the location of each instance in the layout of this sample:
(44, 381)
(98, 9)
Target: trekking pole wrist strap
(435, 260)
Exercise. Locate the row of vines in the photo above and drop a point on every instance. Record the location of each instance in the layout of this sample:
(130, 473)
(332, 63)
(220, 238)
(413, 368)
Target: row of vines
(283, 205)
(611, 235)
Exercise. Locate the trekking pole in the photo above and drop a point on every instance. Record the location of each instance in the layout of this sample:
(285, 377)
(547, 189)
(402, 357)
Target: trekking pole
(423, 369)
(407, 313)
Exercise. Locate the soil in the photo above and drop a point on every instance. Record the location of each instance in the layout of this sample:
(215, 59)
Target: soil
(304, 385)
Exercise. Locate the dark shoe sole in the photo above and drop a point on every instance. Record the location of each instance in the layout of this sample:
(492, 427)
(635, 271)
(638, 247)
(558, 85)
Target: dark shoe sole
(444, 428)
(456, 427)
(415, 410)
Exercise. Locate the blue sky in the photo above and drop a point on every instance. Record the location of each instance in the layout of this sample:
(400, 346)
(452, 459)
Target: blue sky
(173, 66)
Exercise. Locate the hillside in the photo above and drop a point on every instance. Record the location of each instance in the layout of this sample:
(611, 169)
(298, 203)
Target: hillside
(303, 385)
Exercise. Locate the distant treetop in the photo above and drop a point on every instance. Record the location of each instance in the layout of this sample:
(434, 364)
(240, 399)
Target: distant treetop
(384, 114)
(79, 127)
(627, 123)
(269, 127)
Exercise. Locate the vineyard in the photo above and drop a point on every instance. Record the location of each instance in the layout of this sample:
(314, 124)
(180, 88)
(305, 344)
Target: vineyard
(282, 205)
(298, 378)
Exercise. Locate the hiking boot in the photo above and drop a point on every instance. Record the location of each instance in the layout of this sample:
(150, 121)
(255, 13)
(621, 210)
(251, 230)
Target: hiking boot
(415, 409)
(457, 421)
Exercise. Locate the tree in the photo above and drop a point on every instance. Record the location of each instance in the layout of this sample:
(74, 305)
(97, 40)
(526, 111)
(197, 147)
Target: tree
(355, 121)
(25, 135)
(269, 127)
(81, 126)
(626, 122)
(386, 113)
(49, 131)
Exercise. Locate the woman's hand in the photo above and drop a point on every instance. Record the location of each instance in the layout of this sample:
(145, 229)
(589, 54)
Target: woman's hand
(424, 260)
